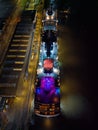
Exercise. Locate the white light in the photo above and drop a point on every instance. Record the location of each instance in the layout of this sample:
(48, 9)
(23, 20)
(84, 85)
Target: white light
(39, 70)
(40, 63)
(47, 17)
(51, 17)
(44, 50)
(57, 58)
(56, 71)
(51, 51)
(43, 43)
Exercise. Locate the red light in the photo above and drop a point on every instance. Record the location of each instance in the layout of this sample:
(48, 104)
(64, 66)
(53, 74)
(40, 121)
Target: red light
(48, 64)
(56, 99)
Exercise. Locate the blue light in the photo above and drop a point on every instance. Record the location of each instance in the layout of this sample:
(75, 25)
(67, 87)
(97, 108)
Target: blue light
(37, 90)
(57, 91)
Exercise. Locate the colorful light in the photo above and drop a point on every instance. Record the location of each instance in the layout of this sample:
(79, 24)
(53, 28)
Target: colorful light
(47, 91)
(47, 83)
(48, 64)
(57, 92)
(37, 90)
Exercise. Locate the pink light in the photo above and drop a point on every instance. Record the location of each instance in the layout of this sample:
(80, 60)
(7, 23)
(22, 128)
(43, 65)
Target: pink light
(48, 64)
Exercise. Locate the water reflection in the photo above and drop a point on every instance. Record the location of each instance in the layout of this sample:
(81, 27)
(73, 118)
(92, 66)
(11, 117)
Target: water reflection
(46, 123)
(76, 107)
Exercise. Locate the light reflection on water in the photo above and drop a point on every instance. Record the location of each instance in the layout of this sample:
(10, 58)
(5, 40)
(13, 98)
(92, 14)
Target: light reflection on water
(47, 123)
(75, 106)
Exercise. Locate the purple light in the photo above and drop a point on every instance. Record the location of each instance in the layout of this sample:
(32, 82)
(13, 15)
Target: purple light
(47, 83)
(47, 92)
